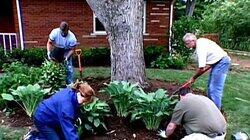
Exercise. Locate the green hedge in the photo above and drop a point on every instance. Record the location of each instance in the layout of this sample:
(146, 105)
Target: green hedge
(89, 57)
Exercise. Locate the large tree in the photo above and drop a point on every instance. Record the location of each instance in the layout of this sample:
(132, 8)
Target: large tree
(122, 20)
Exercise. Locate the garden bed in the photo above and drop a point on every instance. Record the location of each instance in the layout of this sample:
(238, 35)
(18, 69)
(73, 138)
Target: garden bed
(118, 128)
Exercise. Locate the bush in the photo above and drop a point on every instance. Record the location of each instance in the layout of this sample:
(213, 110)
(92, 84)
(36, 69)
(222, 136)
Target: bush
(151, 53)
(174, 61)
(231, 20)
(180, 28)
(32, 56)
(92, 116)
(93, 57)
(3, 57)
(53, 75)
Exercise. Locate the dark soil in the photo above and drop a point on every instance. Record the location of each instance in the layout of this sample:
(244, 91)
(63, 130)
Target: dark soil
(118, 128)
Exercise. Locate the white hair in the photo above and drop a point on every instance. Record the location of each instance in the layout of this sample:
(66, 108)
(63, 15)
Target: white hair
(188, 35)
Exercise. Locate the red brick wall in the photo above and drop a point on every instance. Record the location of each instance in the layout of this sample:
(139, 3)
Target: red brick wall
(41, 16)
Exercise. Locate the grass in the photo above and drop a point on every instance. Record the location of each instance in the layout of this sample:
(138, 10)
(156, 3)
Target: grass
(235, 102)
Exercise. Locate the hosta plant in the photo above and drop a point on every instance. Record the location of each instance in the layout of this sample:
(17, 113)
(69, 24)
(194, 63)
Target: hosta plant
(27, 97)
(92, 116)
(151, 107)
(120, 93)
(54, 75)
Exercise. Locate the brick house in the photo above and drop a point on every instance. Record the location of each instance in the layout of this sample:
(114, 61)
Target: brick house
(29, 22)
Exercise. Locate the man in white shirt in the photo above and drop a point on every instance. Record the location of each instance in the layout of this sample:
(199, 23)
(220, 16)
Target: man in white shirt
(60, 47)
(210, 54)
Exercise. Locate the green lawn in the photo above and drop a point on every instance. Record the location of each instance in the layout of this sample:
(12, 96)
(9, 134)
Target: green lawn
(236, 100)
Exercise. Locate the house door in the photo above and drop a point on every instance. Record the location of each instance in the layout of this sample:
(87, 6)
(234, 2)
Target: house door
(6, 17)
(8, 36)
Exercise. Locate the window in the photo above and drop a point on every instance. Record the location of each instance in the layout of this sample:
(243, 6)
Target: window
(100, 30)
(98, 27)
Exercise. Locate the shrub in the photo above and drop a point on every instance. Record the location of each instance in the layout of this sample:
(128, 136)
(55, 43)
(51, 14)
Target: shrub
(152, 108)
(92, 116)
(3, 57)
(17, 74)
(31, 56)
(29, 96)
(53, 75)
(180, 28)
(120, 93)
(93, 57)
(231, 20)
(151, 53)
(174, 61)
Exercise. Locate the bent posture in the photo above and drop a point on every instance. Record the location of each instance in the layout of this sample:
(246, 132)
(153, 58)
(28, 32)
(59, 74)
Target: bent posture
(209, 54)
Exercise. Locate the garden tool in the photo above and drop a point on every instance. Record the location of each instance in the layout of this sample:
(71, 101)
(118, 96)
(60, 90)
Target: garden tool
(78, 53)
(177, 90)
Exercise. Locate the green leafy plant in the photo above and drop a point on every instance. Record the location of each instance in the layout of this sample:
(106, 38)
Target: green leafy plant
(151, 53)
(92, 116)
(29, 96)
(151, 107)
(120, 93)
(54, 75)
(174, 61)
(16, 74)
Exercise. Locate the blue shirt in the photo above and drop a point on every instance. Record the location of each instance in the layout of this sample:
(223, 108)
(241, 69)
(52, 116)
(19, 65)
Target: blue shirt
(59, 41)
(60, 110)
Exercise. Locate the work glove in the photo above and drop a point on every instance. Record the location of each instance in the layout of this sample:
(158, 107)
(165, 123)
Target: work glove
(162, 134)
(48, 54)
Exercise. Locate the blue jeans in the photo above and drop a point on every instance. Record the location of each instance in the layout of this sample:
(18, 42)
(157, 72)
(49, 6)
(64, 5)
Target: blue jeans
(47, 133)
(217, 80)
(69, 71)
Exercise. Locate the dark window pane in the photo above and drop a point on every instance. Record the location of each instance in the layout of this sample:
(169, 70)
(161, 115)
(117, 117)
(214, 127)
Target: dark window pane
(98, 25)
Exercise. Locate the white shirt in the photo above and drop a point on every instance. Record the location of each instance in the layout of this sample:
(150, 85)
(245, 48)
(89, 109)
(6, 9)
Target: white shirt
(62, 42)
(208, 52)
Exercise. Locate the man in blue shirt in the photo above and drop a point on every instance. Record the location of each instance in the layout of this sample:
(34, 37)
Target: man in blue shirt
(55, 117)
(60, 47)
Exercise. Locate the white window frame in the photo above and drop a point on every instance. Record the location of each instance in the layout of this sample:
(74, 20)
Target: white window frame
(104, 32)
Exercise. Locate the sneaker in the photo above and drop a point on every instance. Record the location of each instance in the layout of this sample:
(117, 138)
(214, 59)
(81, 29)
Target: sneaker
(31, 135)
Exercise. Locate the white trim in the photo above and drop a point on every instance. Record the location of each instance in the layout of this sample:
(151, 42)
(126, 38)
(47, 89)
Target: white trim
(170, 26)
(20, 24)
(94, 29)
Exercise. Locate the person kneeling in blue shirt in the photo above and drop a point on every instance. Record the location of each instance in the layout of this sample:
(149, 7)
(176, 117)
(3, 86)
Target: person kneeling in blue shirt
(55, 117)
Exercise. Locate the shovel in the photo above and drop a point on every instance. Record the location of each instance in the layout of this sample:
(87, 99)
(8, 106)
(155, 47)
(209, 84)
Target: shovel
(78, 53)
(177, 90)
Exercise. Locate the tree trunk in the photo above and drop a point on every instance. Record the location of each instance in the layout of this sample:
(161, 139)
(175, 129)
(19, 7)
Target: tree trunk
(190, 5)
(122, 20)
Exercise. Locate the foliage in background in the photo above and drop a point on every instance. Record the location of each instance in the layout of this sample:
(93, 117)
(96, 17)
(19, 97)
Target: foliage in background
(151, 53)
(29, 96)
(231, 19)
(152, 108)
(180, 28)
(200, 7)
(120, 93)
(92, 116)
(174, 61)
(53, 75)
(2, 57)
(31, 56)
(17, 74)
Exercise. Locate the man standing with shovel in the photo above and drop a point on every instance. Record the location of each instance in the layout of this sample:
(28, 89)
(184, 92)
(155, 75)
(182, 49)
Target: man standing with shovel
(60, 47)
(209, 54)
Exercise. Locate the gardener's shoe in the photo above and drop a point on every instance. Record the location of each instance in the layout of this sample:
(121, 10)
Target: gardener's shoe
(31, 135)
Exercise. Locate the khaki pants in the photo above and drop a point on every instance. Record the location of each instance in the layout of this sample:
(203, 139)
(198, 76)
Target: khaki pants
(199, 136)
